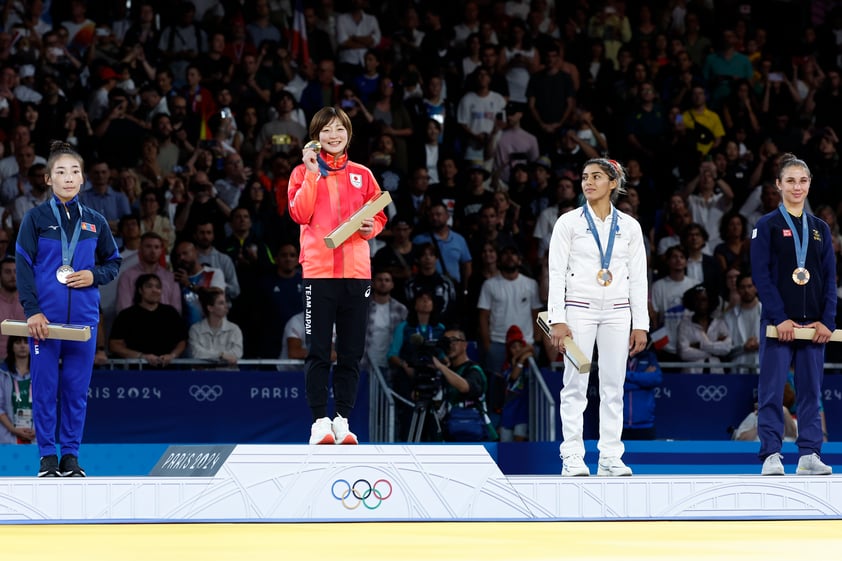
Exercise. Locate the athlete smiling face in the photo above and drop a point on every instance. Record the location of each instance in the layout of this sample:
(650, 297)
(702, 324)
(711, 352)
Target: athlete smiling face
(334, 137)
(794, 183)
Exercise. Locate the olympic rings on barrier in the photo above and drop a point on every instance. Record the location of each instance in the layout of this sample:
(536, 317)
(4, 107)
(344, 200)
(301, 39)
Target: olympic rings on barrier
(205, 392)
(361, 490)
(712, 393)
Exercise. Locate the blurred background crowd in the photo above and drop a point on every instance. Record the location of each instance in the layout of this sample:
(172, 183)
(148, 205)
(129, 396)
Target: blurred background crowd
(476, 115)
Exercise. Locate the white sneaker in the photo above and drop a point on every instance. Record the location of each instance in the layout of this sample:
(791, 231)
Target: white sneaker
(613, 467)
(772, 465)
(341, 431)
(812, 464)
(574, 466)
(322, 432)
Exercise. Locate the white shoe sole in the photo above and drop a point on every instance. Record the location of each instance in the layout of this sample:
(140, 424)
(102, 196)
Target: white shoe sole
(609, 473)
(811, 472)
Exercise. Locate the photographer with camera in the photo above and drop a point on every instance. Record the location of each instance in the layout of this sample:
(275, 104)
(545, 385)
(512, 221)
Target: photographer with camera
(412, 375)
(465, 418)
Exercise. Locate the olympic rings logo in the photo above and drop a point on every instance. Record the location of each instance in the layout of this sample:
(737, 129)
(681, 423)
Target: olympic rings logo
(712, 393)
(360, 493)
(205, 392)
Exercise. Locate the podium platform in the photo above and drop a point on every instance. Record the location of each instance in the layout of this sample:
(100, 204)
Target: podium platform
(298, 483)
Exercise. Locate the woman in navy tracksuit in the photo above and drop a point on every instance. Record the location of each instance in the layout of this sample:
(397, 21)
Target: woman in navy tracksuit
(64, 252)
(794, 269)
(642, 375)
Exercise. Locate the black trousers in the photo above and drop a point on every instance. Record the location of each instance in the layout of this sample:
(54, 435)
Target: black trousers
(345, 303)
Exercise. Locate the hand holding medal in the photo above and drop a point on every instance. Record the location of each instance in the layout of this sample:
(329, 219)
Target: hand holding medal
(63, 272)
(310, 154)
(75, 279)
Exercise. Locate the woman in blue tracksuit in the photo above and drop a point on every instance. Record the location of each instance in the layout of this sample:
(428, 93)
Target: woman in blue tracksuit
(794, 269)
(64, 252)
(643, 374)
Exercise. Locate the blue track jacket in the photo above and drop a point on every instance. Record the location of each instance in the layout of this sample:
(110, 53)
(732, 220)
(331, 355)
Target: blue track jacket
(773, 261)
(38, 255)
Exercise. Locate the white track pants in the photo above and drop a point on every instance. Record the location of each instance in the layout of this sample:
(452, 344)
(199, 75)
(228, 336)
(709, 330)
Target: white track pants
(610, 329)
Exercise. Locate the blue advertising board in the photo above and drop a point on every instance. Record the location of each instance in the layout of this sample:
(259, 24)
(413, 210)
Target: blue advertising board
(205, 407)
(254, 406)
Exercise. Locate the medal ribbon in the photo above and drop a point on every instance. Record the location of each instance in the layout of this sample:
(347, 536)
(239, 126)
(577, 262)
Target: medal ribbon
(604, 256)
(67, 249)
(800, 242)
(324, 167)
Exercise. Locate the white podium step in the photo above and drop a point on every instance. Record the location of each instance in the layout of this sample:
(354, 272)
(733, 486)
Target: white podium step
(297, 483)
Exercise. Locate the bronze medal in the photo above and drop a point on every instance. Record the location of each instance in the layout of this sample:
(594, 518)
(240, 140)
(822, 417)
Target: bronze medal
(800, 276)
(604, 277)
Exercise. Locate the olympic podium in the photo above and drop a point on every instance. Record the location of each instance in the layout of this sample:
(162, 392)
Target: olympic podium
(299, 483)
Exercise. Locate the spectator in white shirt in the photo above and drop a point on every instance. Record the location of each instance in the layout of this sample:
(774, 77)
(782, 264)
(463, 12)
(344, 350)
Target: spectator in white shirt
(356, 32)
(215, 338)
(744, 324)
(510, 298)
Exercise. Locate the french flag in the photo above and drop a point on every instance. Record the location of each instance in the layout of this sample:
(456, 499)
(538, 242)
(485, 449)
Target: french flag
(298, 39)
(660, 338)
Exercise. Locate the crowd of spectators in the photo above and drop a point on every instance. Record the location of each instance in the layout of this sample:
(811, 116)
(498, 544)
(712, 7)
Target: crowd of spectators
(476, 115)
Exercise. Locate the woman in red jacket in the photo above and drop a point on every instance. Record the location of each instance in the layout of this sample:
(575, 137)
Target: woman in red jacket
(324, 192)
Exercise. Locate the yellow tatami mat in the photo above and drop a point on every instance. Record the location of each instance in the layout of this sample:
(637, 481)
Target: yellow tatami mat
(428, 541)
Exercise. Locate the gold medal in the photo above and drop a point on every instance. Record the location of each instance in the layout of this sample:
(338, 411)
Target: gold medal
(313, 145)
(604, 277)
(800, 276)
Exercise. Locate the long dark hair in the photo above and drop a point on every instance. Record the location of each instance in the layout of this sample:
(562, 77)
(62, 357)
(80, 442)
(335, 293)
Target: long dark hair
(10, 355)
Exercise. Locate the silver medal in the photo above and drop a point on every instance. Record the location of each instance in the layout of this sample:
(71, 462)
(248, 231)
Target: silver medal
(63, 272)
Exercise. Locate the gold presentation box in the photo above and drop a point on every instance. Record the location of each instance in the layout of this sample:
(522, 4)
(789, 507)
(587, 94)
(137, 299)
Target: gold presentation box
(571, 350)
(63, 331)
(347, 228)
(803, 333)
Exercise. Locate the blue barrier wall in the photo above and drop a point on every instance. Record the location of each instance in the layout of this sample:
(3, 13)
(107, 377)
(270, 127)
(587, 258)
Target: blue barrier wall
(205, 407)
(702, 406)
(269, 406)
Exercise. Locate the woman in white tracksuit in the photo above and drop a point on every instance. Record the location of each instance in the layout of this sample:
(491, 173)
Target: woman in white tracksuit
(598, 294)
